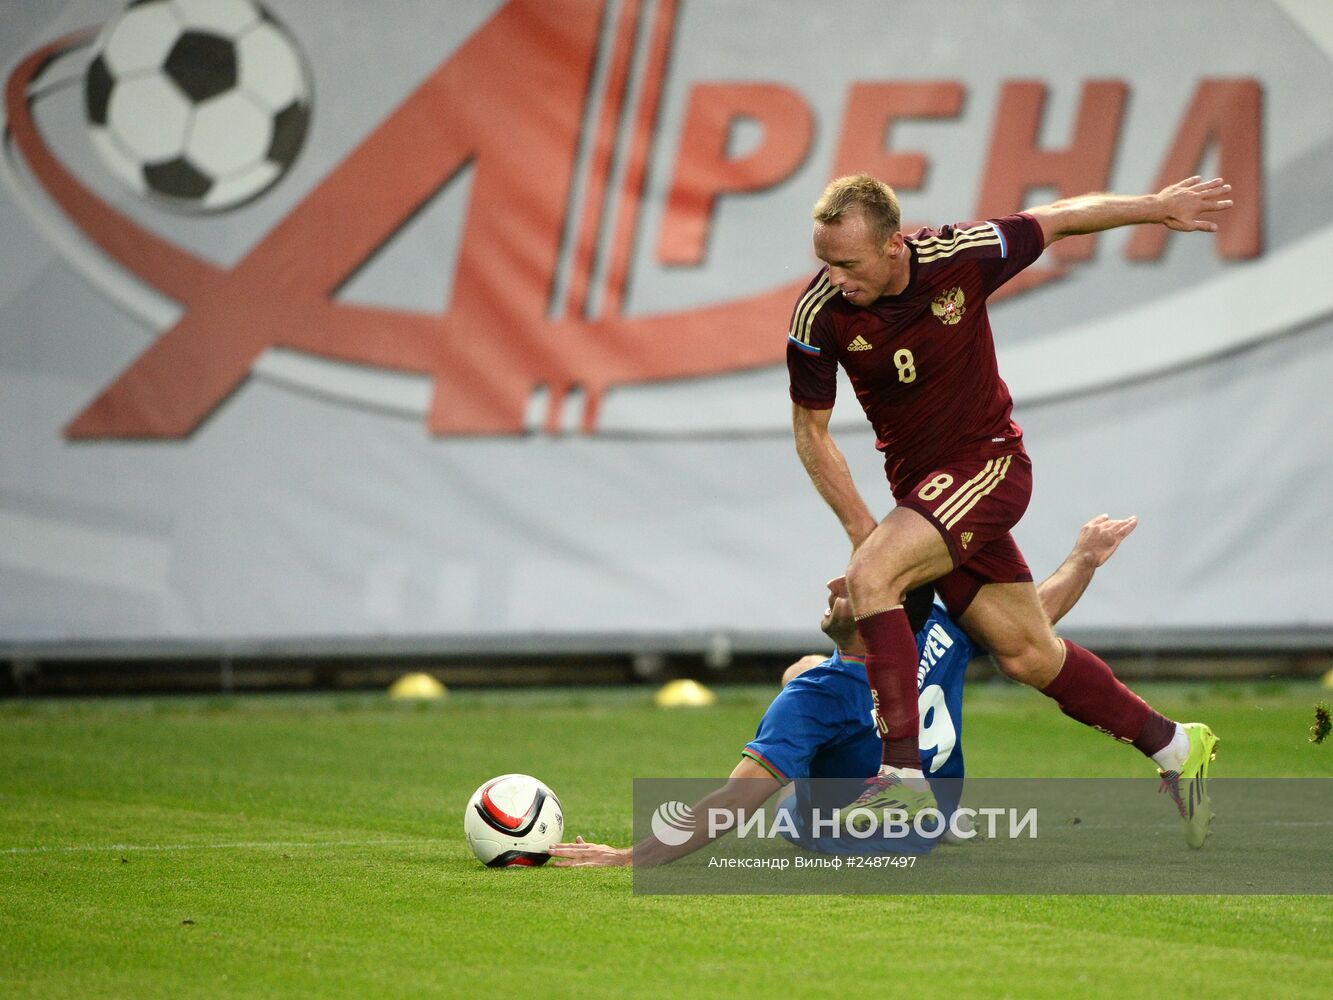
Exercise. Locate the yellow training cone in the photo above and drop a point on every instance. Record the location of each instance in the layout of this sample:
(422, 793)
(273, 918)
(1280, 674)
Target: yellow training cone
(1328, 680)
(684, 694)
(422, 687)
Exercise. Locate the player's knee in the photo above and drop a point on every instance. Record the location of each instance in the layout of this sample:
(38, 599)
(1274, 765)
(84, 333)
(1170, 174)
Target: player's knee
(1033, 663)
(1015, 668)
(872, 587)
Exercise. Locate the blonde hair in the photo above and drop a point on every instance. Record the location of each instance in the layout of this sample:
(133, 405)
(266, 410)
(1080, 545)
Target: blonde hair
(862, 193)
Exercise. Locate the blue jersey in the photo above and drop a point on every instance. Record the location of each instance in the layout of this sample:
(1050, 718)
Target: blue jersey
(821, 726)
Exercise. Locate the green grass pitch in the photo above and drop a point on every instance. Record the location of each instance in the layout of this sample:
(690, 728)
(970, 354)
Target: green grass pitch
(311, 846)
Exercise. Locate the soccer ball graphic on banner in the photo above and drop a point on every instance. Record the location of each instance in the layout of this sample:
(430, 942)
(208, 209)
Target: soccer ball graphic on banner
(512, 821)
(199, 104)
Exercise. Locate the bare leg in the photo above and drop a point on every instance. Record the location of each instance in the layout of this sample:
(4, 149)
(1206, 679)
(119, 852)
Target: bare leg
(1007, 618)
(905, 551)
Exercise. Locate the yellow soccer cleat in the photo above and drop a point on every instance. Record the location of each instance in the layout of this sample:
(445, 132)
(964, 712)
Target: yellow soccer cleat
(1189, 786)
(889, 793)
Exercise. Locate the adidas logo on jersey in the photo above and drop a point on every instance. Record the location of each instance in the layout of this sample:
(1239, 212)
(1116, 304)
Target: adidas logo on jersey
(966, 537)
(860, 344)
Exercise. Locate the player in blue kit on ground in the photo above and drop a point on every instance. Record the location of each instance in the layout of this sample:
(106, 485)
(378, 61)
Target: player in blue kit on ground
(819, 733)
(821, 724)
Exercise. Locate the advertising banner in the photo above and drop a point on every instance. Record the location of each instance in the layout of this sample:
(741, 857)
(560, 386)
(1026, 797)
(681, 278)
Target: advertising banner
(342, 321)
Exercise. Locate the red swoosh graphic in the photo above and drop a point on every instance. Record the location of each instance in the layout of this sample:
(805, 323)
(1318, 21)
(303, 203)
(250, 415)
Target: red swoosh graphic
(493, 344)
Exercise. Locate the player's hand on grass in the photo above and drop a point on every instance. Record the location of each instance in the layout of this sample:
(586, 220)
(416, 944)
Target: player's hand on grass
(582, 854)
(1100, 537)
(1185, 201)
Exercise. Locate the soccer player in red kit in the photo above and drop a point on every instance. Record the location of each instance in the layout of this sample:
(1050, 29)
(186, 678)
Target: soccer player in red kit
(905, 315)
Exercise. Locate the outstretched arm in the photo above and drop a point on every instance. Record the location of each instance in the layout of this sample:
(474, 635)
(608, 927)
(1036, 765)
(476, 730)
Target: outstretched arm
(1097, 540)
(827, 469)
(1180, 207)
(747, 789)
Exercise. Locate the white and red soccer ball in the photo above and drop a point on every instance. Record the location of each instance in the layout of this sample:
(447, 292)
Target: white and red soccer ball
(512, 821)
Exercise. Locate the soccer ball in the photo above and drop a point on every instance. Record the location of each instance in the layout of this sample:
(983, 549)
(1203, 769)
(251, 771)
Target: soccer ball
(513, 820)
(199, 104)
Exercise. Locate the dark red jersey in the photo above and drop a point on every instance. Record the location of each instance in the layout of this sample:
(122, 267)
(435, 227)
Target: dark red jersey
(922, 362)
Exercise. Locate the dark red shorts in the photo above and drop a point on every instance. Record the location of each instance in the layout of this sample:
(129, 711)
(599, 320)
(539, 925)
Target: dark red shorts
(973, 504)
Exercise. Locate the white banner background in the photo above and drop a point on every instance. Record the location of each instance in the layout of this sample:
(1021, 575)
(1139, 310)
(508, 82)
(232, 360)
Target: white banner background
(1193, 392)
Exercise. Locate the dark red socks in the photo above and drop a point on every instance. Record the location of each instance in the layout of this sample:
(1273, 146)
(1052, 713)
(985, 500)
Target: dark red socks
(891, 660)
(1086, 690)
